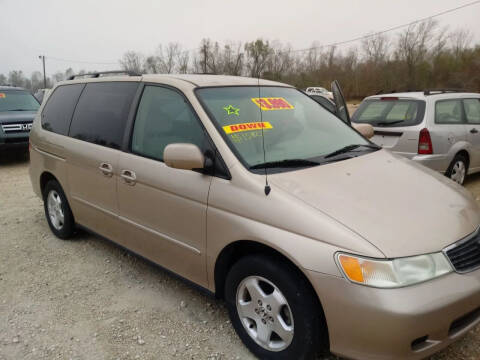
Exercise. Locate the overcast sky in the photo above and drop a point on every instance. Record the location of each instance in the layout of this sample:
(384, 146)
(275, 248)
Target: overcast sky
(100, 31)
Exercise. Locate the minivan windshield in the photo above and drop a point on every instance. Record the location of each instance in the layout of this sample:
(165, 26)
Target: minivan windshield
(17, 100)
(297, 131)
(390, 111)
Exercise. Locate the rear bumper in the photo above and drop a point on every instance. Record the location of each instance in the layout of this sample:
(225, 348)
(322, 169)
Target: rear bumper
(438, 162)
(407, 323)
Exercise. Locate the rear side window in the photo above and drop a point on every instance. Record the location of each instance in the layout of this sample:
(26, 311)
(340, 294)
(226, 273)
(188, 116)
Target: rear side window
(102, 112)
(59, 109)
(390, 112)
(472, 110)
(448, 112)
(164, 118)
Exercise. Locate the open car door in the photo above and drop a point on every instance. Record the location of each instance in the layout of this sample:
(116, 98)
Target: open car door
(341, 105)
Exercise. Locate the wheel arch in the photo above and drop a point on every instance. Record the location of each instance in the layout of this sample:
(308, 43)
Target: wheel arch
(466, 154)
(45, 178)
(234, 251)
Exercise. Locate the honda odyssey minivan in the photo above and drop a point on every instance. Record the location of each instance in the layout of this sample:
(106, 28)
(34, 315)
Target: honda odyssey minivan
(251, 189)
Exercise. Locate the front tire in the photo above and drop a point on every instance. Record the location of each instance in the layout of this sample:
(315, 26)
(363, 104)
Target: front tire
(273, 309)
(57, 211)
(457, 171)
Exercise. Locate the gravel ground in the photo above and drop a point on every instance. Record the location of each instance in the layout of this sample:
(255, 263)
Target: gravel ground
(88, 299)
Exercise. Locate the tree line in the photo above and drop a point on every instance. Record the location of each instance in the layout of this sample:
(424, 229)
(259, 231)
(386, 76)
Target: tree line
(424, 55)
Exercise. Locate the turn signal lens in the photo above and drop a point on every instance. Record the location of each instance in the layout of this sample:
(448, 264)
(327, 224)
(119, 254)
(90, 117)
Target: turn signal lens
(352, 268)
(393, 273)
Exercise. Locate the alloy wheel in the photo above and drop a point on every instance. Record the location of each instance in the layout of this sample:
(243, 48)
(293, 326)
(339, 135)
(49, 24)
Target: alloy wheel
(55, 211)
(265, 313)
(458, 172)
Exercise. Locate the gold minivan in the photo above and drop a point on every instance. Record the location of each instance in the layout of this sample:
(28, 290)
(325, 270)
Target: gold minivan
(315, 237)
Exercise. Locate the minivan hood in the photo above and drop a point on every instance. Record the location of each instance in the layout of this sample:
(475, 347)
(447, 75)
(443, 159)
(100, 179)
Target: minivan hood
(399, 206)
(9, 117)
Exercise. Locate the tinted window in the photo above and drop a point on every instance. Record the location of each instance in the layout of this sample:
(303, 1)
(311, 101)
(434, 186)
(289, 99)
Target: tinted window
(472, 110)
(59, 109)
(390, 112)
(163, 118)
(102, 112)
(17, 100)
(448, 112)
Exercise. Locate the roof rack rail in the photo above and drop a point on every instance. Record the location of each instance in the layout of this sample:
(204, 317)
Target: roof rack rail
(441, 91)
(100, 73)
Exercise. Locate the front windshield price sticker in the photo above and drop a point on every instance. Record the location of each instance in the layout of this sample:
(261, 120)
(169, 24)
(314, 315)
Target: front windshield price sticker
(2, 96)
(275, 103)
(230, 129)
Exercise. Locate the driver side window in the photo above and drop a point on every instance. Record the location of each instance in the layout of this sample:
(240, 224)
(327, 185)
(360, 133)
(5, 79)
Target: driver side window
(164, 118)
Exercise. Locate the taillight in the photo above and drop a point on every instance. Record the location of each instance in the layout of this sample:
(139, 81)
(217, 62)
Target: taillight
(425, 143)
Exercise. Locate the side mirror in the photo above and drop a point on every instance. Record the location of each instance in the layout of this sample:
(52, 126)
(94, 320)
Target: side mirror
(365, 129)
(183, 156)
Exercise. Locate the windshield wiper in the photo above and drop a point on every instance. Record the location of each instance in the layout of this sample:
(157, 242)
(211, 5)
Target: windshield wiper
(382, 123)
(349, 148)
(21, 110)
(286, 163)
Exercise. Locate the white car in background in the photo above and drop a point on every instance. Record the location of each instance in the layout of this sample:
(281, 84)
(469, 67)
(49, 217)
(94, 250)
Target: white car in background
(317, 90)
(437, 128)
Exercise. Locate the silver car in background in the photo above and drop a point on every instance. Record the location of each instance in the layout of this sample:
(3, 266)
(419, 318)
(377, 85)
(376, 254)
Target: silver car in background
(437, 128)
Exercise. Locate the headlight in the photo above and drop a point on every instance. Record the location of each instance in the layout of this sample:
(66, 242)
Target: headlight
(393, 273)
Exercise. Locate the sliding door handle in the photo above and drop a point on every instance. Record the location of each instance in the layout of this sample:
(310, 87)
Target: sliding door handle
(129, 177)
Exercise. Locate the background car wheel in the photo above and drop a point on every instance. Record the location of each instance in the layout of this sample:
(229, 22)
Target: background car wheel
(57, 210)
(273, 309)
(457, 171)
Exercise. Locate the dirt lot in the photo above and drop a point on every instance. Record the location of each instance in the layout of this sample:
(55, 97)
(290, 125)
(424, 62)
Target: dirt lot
(88, 299)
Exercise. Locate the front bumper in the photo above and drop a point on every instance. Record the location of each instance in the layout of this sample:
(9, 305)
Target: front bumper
(406, 323)
(14, 141)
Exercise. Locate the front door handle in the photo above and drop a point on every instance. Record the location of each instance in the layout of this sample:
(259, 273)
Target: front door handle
(474, 131)
(129, 177)
(106, 169)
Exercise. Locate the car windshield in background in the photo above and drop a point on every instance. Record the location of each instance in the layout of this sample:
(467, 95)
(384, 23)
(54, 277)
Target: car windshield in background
(385, 112)
(297, 131)
(17, 100)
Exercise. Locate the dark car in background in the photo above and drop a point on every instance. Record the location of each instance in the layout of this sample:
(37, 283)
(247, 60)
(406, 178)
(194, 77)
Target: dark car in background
(17, 111)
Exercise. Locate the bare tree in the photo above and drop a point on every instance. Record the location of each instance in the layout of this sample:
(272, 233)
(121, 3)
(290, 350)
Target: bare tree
(201, 64)
(16, 78)
(36, 80)
(183, 59)
(233, 59)
(413, 45)
(280, 62)
(258, 53)
(132, 61)
(376, 48)
(153, 65)
(169, 57)
(460, 40)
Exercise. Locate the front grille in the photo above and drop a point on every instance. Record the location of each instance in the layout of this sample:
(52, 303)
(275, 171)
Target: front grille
(15, 128)
(465, 254)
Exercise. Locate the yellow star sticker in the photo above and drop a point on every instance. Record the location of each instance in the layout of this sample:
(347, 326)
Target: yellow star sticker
(231, 110)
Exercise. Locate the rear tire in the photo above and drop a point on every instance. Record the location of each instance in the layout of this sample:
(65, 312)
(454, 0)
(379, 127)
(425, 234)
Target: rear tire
(458, 168)
(273, 309)
(57, 211)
